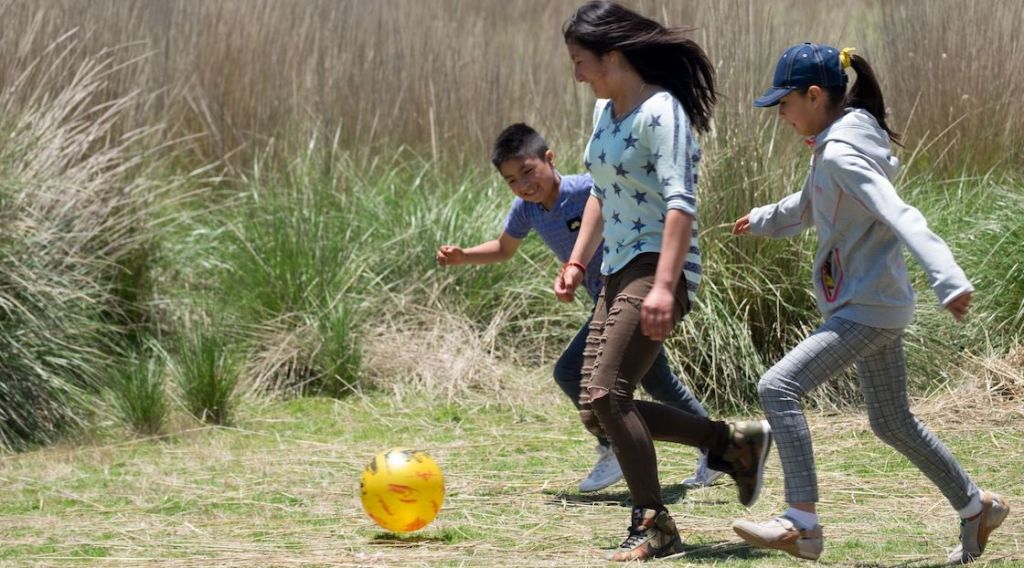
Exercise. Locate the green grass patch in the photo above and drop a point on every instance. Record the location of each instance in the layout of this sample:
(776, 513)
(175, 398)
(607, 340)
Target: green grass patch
(281, 487)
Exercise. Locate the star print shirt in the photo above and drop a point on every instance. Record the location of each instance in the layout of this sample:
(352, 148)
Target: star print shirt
(559, 226)
(643, 165)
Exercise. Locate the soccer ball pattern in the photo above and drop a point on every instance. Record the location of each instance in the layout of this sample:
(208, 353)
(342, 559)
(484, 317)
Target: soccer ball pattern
(402, 490)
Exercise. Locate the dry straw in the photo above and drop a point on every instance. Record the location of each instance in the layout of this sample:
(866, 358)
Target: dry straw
(446, 75)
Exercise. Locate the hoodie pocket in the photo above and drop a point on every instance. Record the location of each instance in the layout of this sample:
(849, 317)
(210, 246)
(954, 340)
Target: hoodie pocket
(831, 275)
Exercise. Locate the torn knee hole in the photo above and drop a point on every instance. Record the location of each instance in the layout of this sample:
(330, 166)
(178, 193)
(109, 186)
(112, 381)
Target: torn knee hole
(623, 300)
(597, 392)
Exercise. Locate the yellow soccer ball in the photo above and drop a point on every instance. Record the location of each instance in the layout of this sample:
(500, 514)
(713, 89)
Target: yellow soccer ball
(402, 490)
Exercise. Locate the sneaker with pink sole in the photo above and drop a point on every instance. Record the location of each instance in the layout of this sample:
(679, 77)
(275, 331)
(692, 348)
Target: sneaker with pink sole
(782, 534)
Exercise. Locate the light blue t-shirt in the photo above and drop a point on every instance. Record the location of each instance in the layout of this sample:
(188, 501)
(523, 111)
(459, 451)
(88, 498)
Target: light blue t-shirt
(643, 165)
(559, 226)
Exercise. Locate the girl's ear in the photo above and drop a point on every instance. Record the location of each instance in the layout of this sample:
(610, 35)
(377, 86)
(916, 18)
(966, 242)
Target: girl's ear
(814, 93)
(549, 157)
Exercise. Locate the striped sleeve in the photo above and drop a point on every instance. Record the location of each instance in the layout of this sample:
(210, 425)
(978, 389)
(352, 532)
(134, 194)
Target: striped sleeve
(676, 153)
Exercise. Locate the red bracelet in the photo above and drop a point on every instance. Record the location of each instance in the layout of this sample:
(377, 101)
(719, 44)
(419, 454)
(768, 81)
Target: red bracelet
(578, 265)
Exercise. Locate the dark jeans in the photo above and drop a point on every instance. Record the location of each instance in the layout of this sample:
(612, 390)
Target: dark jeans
(617, 356)
(659, 381)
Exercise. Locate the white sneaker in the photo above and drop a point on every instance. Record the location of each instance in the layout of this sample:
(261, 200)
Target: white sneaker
(606, 471)
(704, 476)
(781, 533)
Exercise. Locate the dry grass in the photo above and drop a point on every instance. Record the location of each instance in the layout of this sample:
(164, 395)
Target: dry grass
(1002, 377)
(444, 76)
(434, 351)
(81, 209)
(277, 368)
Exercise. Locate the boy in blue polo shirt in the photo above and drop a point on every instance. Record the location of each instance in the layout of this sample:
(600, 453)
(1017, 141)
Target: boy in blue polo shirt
(552, 205)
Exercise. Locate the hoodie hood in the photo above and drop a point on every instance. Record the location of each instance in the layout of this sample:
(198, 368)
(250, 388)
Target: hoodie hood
(859, 129)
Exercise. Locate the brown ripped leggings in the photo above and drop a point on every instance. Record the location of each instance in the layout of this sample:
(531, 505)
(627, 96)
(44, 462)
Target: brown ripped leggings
(617, 356)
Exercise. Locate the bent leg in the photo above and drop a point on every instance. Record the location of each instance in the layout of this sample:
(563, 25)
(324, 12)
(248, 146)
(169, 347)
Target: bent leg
(832, 348)
(883, 381)
(664, 386)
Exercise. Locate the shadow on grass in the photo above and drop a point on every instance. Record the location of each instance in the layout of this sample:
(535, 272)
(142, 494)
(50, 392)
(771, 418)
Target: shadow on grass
(719, 551)
(910, 564)
(385, 537)
(671, 493)
(445, 535)
(620, 498)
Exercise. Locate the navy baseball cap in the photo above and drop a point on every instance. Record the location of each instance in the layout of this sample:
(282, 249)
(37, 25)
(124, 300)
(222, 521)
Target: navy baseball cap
(802, 66)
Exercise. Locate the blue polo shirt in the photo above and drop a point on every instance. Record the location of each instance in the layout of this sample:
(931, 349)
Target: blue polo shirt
(559, 226)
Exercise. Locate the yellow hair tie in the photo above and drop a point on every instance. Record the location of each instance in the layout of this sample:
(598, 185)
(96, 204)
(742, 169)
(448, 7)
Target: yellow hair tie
(844, 57)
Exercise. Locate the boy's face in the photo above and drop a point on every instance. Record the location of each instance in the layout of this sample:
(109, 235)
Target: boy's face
(532, 179)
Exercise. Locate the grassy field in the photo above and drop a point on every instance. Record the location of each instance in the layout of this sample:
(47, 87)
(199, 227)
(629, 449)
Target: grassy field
(280, 488)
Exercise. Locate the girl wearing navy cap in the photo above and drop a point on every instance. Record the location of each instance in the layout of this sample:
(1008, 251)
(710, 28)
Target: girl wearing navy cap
(862, 289)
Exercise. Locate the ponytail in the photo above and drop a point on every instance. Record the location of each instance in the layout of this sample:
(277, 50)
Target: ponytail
(661, 56)
(866, 94)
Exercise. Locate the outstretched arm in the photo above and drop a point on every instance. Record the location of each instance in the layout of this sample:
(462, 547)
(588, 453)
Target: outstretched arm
(491, 252)
(873, 191)
(788, 217)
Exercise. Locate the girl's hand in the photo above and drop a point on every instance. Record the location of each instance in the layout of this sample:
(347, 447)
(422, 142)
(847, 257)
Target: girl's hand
(958, 306)
(656, 314)
(566, 283)
(742, 225)
(450, 255)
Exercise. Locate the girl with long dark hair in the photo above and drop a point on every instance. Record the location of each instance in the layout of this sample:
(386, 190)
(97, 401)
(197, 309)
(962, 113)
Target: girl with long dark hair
(655, 88)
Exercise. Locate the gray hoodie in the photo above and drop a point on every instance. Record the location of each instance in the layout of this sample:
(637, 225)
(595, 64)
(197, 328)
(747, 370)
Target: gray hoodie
(862, 226)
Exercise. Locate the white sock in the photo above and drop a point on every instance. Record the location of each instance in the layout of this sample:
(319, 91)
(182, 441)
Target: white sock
(973, 506)
(802, 519)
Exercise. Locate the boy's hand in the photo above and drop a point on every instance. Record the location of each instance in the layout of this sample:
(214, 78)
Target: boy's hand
(958, 306)
(742, 225)
(450, 255)
(566, 283)
(656, 314)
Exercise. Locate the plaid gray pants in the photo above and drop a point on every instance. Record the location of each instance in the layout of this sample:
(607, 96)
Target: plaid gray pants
(881, 368)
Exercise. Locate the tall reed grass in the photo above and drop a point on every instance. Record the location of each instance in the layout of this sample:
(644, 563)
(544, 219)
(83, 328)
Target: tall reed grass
(755, 302)
(444, 76)
(140, 396)
(207, 371)
(294, 257)
(76, 201)
(331, 250)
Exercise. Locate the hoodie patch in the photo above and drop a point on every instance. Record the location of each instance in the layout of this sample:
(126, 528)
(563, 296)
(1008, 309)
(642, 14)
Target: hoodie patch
(831, 275)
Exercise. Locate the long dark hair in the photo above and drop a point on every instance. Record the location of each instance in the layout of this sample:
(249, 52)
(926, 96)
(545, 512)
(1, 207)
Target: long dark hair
(662, 56)
(865, 93)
